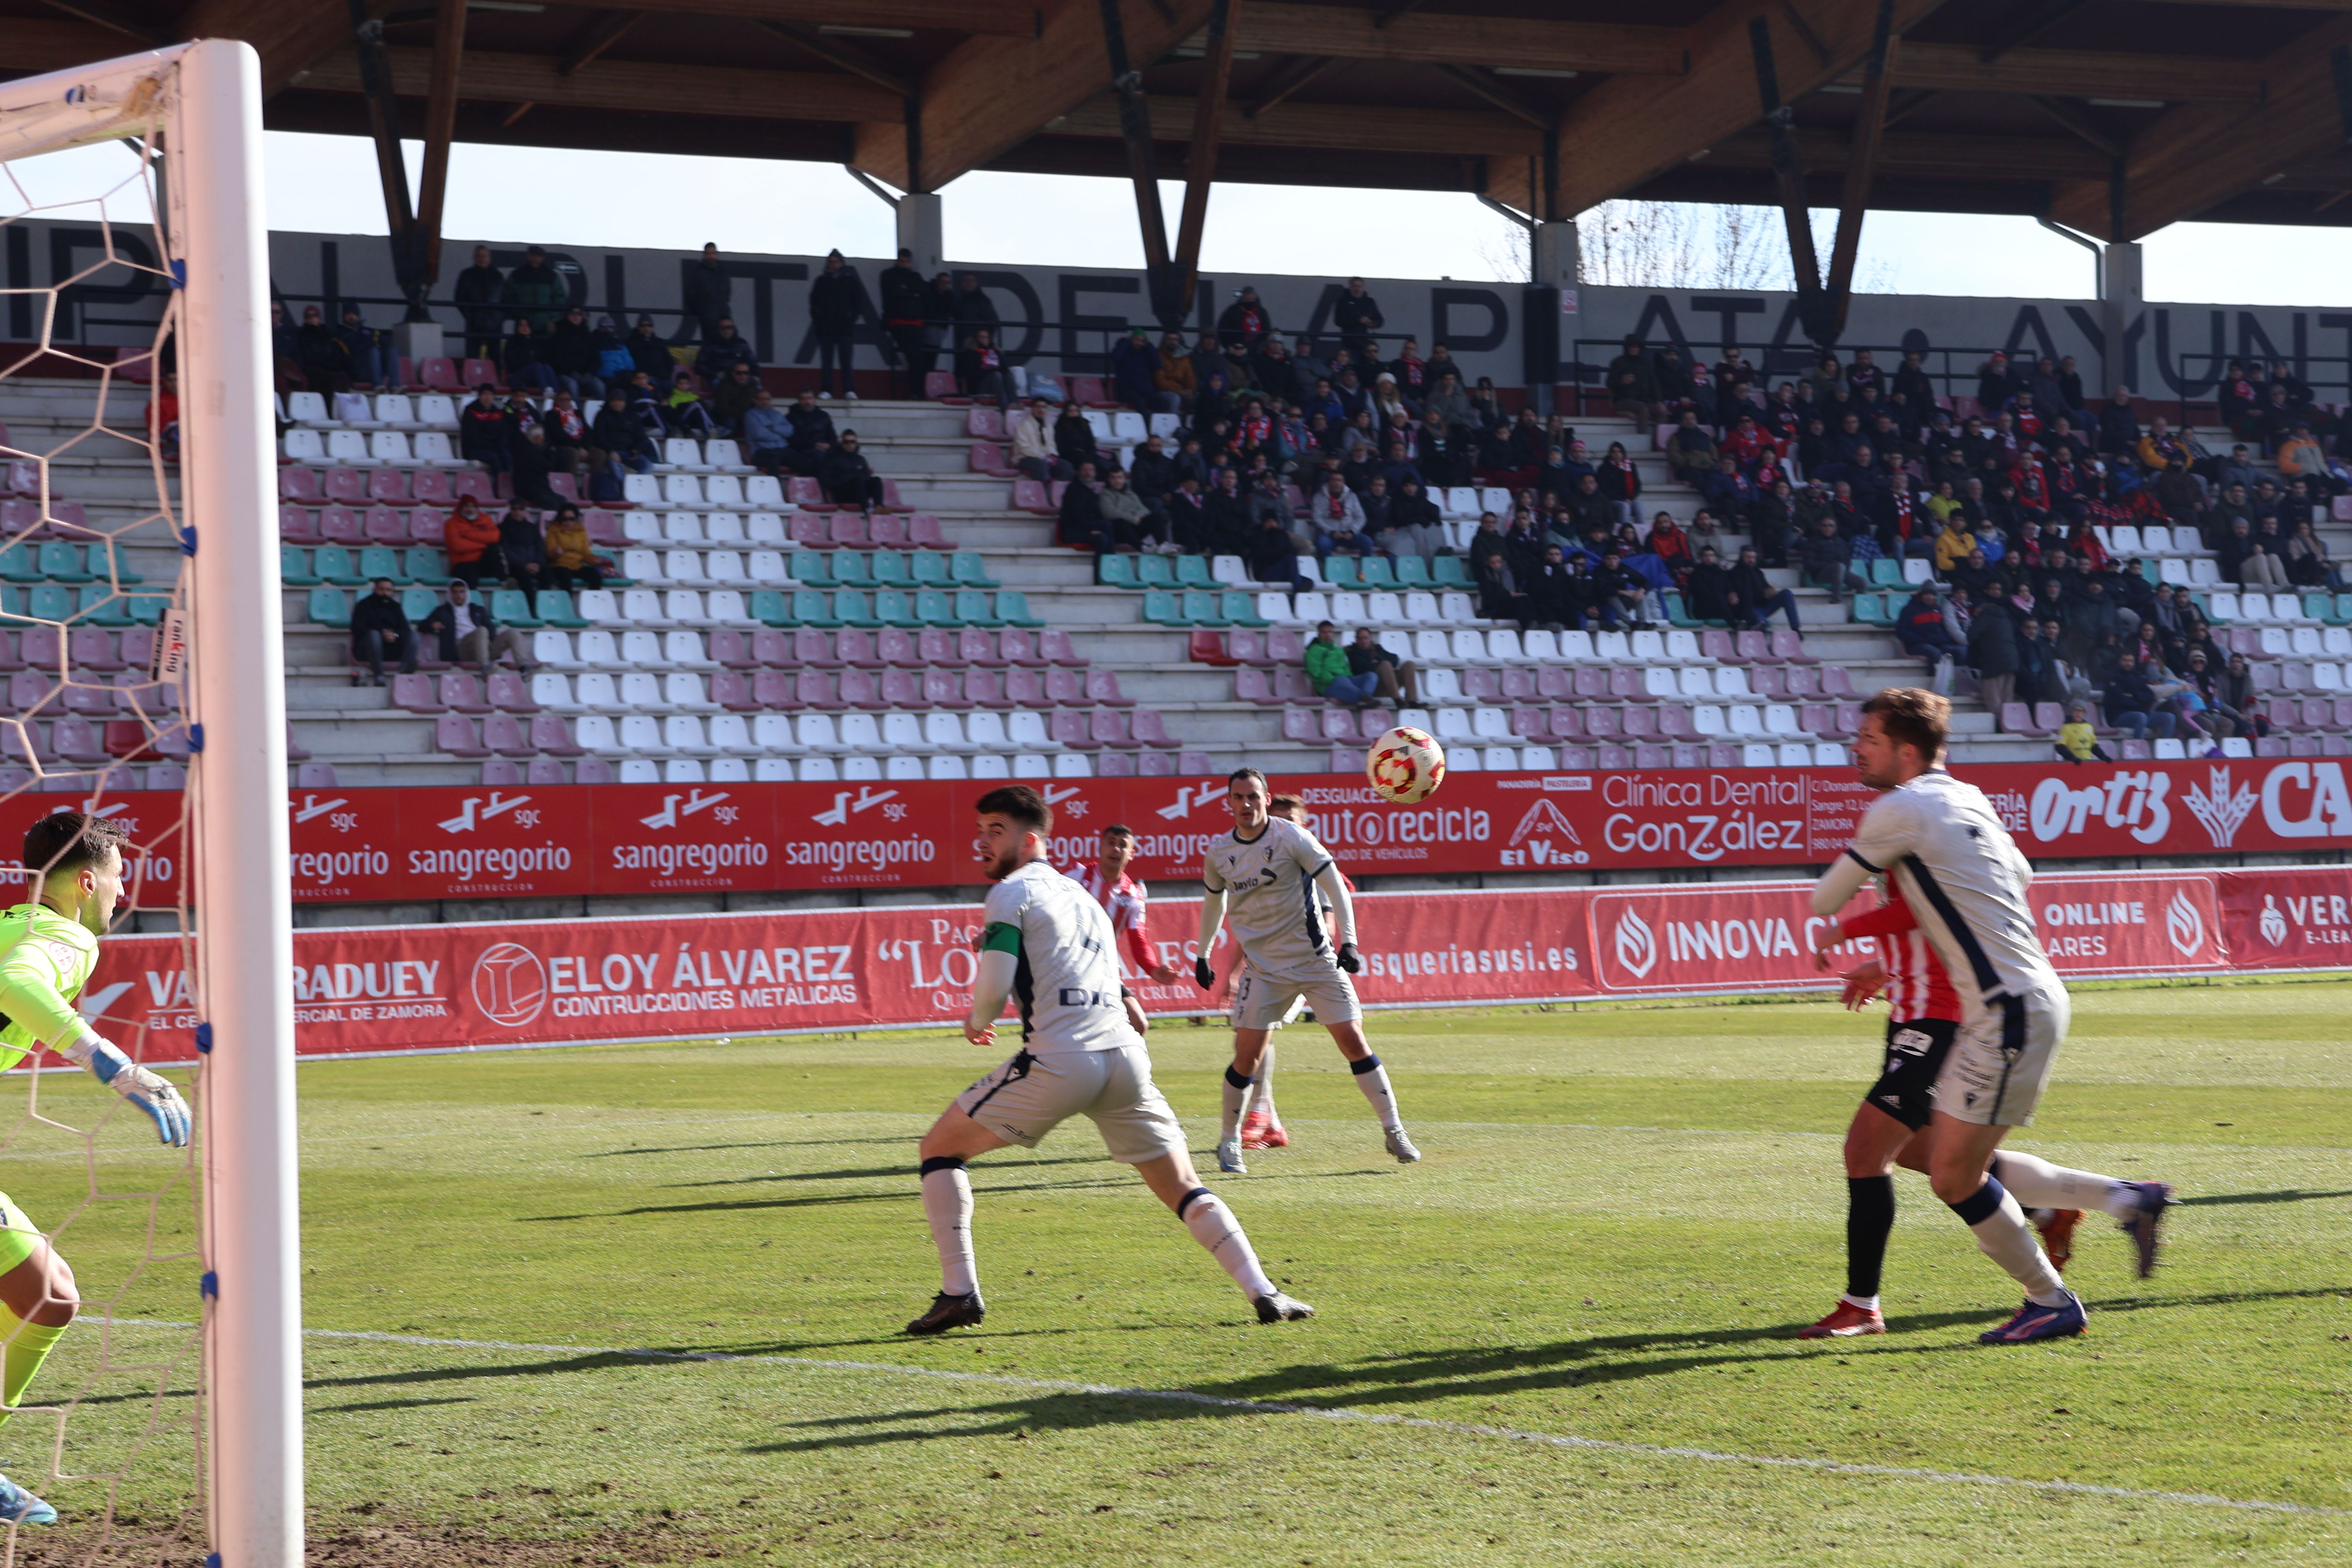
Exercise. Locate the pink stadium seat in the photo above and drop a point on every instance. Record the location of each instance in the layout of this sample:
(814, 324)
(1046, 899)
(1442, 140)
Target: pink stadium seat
(896, 646)
(984, 423)
(1638, 724)
(848, 530)
(478, 372)
(1481, 684)
(1192, 765)
(1303, 725)
(730, 649)
(592, 770)
(1610, 756)
(1030, 495)
(341, 525)
(812, 645)
(816, 688)
(1674, 723)
(809, 530)
(1087, 391)
(1065, 688)
(1102, 686)
(1576, 759)
(414, 694)
(2016, 718)
(464, 484)
(1555, 683)
(459, 690)
(389, 486)
(455, 734)
(1530, 725)
(890, 502)
(511, 693)
(886, 532)
(923, 532)
(1518, 685)
(293, 484)
(1116, 765)
(1769, 681)
(345, 487)
(1752, 647)
(772, 649)
(984, 689)
(1371, 723)
(975, 645)
(1567, 724)
(1290, 684)
(897, 688)
(1818, 719)
(1649, 755)
(774, 691)
(1156, 764)
(1020, 646)
(2275, 746)
(1836, 683)
(1053, 646)
(551, 734)
(938, 385)
(1590, 682)
(1282, 646)
(543, 770)
(298, 525)
(439, 375)
(1600, 723)
(1205, 647)
(942, 690)
(1024, 688)
(1068, 727)
(433, 489)
(1789, 646)
(1250, 685)
(566, 486)
(859, 689)
(1714, 643)
(382, 525)
(1625, 686)
(504, 734)
(854, 646)
(1804, 680)
(1848, 718)
(807, 494)
(1148, 729)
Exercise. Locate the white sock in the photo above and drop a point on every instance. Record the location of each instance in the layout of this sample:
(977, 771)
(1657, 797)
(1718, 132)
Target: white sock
(1373, 1079)
(2038, 1183)
(947, 1203)
(1213, 1224)
(1867, 1303)
(1237, 1091)
(2004, 1236)
(1262, 1082)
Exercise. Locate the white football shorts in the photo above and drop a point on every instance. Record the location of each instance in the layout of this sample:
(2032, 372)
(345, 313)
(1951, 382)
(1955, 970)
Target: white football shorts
(1263, 1004)
(2001, 1059)
(1029, 1096)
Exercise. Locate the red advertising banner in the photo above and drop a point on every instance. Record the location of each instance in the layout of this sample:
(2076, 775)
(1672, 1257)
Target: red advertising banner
(410, 845)
(402, 988)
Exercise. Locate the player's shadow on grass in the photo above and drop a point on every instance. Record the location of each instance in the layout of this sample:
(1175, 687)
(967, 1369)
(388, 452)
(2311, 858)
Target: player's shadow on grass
(373, 1404)
(2291, 1195)
(746, 1204)
(722, 1148)
(1042, 1412)
(875, 1172)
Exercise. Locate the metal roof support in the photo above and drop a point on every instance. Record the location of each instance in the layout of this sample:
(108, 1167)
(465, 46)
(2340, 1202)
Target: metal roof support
(1200, 164)
(1788, 168)
(390, 167)
(1860, 169)
(1143, 168)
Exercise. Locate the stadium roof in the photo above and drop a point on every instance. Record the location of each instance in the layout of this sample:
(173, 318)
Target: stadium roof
(2114, 117)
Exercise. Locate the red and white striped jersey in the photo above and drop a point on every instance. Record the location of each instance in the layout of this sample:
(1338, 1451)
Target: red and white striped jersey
(1124, 901)
(1916, 986)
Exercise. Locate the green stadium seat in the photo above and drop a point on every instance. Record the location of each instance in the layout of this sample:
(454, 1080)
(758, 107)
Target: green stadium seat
(890, 568)
(969, 571)
(2204, 603)
(892, 609)
(1192, 571)
(417, 603)
(1012, 609)
(1154, 572)
(1885, 574)
(971, 608)
(2153, 570)
(1116, 572)
(930, 569)
(20, 563)
(428, 565)
(1676, 614)
(2343, 616)
(1376, 572)
(849, 569)
(381, 561)
(333, 563)
(811, 609)
(1870, 610)
(1201, 609)
(331, 608)
(1241, 609)
(1340, 571)
(851, 609)
(1412, 572)
(769, 608)
(62, 562)
(2322, 607)
(1451, 573)
(809, 569)
(146, 609)
(555, 610)
(512, 607)
(294, 567)
(1160, 608)
(107, 560)
(50, 602)
(934, 607)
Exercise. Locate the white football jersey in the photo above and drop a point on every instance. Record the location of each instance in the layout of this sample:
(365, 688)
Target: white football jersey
(1066, 962)
(1271, 907)
(1965, 880)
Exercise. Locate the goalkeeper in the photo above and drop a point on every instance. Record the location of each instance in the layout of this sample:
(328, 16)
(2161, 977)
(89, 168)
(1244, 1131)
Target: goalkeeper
(47, 948)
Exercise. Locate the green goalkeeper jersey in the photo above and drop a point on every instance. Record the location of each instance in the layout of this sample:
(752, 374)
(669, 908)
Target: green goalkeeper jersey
(45, 961)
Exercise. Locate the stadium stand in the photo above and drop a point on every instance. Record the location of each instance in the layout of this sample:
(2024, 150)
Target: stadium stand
(952, 614)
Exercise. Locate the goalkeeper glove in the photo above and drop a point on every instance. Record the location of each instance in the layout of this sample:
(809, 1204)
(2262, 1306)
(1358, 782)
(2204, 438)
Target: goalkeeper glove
(149, 1091)
(1205, 977)
(1348, 963)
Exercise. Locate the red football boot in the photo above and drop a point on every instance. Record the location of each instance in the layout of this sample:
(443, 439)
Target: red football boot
(1844, 1322)
(2058, 1235)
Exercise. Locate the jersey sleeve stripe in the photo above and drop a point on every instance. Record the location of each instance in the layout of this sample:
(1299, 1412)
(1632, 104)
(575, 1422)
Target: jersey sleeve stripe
(1862, 863)
(1987, 978)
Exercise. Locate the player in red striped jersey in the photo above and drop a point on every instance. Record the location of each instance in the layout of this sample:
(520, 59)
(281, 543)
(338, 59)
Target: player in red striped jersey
(1923, 1012)
(1122, 898)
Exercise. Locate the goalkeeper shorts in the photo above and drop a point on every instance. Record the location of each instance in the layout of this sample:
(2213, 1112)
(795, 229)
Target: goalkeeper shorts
(19, 1237)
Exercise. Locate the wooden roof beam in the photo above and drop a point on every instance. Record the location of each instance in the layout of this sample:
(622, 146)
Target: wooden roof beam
(2197, 155)
(1357, 33)
(2076, 73)
(1006, 18)
(290, 35)
(633, 85)
(1323, 125)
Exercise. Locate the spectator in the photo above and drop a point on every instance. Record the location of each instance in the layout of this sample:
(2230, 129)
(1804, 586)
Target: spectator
(847, 477)
(2235, 700)
(1753, 597)
(1334, 508)
(1188, 518)
(2132, 705)
(467, 632)
(2077, 742)
(1126, 518)
(572, 562)
(1330, 671)
(647, 353)
(162, 418)
(1358, 316)
(1706, 593)
(613, 361)
(1954, 543)
(523, 549)
(522, 367)
(486, 432)
(2307, 561)
(732, 396)
(621, 437)
(366, 358)
(1246, 323)
(566, 430)
(1174, 375)
(837, 300)
(1135, 371)
(767, 433)
(1827, 559)
(1632, 379)
(534, 460)
(379, 628)
(535, 292)
(1271, 553)
(722, 350)
(1393, 677)
(980, 368)
(813, 439)
(1619, 595)
(2300, 454)
(570, 352)
(285, 350)
(683, 412)
(1415, 526)
(1074, 440)
(1152, 472)
(1556, 592)
(1921, 629)
(1993, 652)
(705, 293)
(1690, 450)
(973, 308)
(1231, 529)
(471, 542)
(479, 291)
(904, 310)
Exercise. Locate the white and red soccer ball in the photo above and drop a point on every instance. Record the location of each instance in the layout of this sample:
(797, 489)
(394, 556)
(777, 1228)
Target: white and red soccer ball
(1405, 765)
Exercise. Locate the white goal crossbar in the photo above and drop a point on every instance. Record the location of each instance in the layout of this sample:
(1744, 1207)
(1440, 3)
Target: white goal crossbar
(202, 102)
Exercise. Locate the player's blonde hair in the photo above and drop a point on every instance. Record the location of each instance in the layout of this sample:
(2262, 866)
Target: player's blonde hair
(1913, 716)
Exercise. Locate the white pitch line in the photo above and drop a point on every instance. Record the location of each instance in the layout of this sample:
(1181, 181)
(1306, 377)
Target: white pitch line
(1330, 1413)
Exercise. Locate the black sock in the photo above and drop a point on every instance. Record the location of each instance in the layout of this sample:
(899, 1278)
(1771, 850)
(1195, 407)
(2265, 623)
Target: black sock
(1869, 1216)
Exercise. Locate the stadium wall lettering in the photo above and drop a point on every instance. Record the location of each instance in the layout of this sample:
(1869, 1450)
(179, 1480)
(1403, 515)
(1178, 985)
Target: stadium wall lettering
(514, 983)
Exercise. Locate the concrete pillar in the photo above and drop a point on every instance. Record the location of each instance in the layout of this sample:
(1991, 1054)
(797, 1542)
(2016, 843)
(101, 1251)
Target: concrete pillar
(417, 342)
(920, 230)
(2120, 306)
(1556, 254)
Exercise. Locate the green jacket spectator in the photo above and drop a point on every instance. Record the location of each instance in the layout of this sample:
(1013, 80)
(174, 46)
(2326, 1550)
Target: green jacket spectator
(536, 292)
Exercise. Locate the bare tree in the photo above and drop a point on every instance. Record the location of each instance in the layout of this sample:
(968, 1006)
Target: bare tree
(1682, 245)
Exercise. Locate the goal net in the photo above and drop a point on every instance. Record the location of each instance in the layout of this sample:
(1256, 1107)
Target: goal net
(142, 671)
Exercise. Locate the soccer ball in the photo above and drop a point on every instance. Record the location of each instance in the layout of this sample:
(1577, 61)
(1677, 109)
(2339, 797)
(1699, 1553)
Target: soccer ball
(1405, 765)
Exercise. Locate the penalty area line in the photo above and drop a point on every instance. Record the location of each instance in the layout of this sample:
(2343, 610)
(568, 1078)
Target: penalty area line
(1336, 1412)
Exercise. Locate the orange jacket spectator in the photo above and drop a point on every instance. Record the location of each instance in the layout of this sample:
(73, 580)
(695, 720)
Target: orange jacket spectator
(467, 534)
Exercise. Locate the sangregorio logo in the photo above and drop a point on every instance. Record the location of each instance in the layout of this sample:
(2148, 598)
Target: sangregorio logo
(2183, 927)
(2274, 924)
(509, 984)
(1637, 946)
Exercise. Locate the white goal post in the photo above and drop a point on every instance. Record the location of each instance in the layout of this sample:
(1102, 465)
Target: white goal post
(202, 103)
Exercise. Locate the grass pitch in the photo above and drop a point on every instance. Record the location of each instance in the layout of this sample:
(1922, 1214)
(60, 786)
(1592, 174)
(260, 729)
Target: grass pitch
(1623, 1216)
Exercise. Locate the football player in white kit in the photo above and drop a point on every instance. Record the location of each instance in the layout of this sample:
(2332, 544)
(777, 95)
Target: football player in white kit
(1261, 882)
(1941, 844)
(1048, 944)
